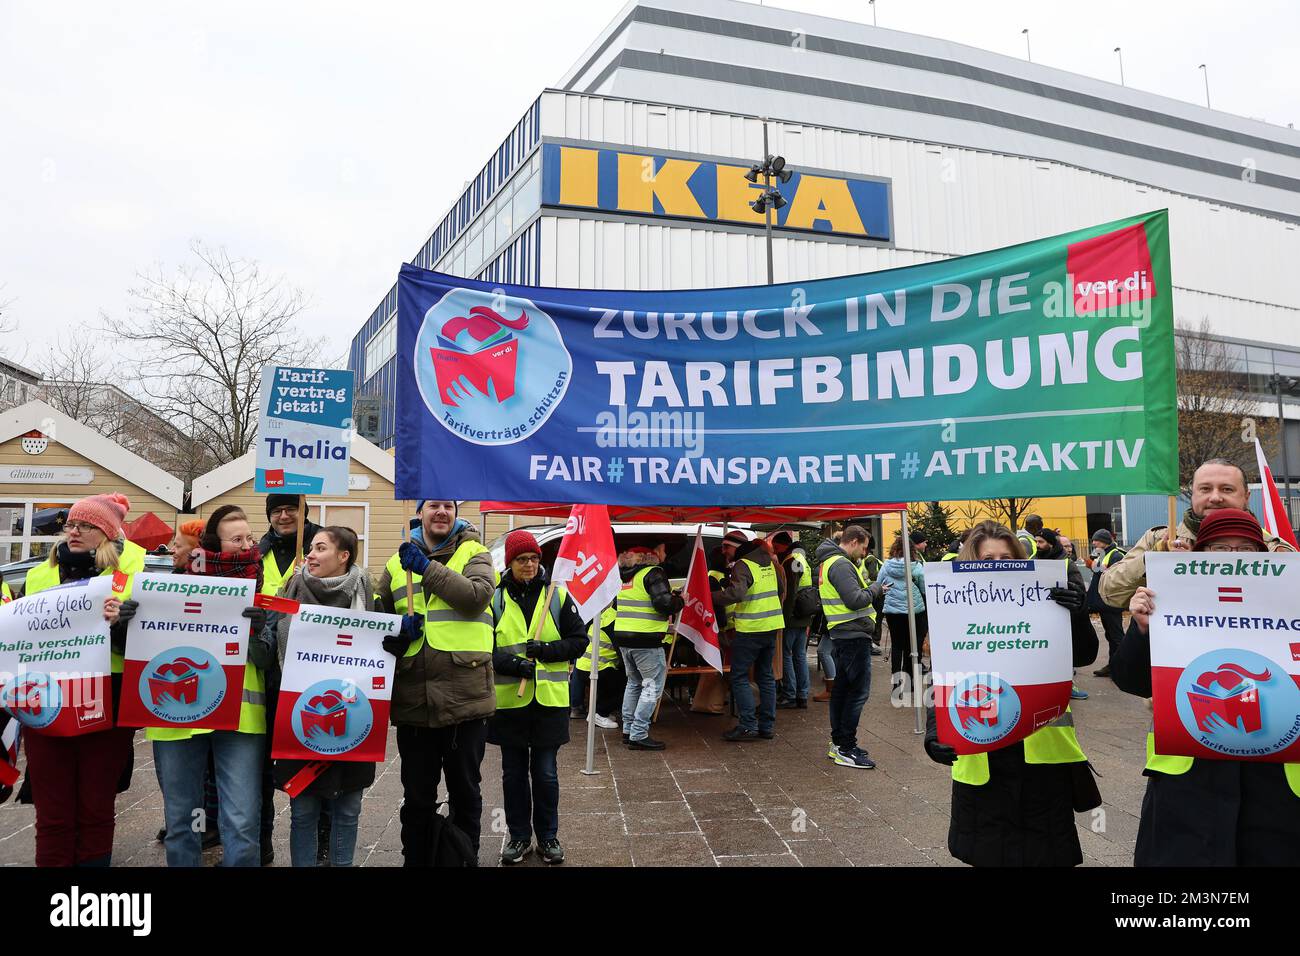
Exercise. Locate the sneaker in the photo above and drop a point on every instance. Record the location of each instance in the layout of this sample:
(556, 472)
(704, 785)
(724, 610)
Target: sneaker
(875, 650)
(551, 851)
(162, 835)
(831, 750)
(516, 850)
(605, 723)
(1077, 694)
(787, 703)
(646, 743)
(1102, 671)
(854, 757)
(737, 733)
(767, 734)
(801, 703)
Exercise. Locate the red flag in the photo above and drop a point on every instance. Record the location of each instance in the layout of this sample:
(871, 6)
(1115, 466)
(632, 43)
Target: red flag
(698, 622)
(587, 562)
(1276, 520)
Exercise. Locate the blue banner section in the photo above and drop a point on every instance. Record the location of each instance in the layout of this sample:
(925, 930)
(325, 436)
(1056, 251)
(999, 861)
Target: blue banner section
(645, 184)
(985, 376)
(304, 439)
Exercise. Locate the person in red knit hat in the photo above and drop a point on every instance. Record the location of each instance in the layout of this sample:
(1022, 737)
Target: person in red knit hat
(531, 726)
(75, 779)
(1209, 812)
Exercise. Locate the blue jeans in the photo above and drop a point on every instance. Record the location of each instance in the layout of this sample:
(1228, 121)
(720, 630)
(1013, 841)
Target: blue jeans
(304, 819)
(646, 667)
(851, 690)
(237, 765)
(754, 650)
(826, 657)
(540, 801)
(794, 664)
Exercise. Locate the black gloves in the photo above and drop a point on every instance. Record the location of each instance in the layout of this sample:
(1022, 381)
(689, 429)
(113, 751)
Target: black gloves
(527, 668)
(256, 617)
(940, 753)
(533, 649)
(1068, 598)
(126, 610)
(399, 643)
(261, 652)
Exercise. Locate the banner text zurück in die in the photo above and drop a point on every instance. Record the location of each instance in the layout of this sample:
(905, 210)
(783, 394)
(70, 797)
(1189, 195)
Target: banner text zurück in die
(1036, 370)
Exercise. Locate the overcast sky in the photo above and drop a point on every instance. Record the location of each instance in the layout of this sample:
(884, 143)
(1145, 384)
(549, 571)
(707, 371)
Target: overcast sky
(327, 139)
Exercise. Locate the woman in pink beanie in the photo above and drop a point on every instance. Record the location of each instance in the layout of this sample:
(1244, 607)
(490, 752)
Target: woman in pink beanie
(75, 779)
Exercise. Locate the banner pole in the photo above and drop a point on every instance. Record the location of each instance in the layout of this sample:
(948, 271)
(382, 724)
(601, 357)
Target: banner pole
(410, 585)
(537, 629)
(302, 517)
(917, 699)
(590, 770)
(1172, 531)
(672, 648)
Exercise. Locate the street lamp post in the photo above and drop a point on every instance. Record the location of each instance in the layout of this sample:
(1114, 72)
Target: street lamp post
(872, 4)
(770, 198)
(1206, 73)
(1120, 53)
(1276, 382)
(1028, 53)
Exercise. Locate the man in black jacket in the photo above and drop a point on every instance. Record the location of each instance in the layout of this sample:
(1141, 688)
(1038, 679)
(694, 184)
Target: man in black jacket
(646, 605)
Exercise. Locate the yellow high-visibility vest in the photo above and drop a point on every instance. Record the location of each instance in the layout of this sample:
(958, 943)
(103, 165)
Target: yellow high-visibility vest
(760, 610)
(550, 680)
(635, 613)
(445, 628)
(1054, 743)
(833, 606)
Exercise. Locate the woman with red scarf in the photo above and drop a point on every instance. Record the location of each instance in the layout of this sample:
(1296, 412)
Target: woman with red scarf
(226, 549)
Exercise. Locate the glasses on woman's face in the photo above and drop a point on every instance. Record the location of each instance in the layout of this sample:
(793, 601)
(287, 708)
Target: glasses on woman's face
(242, 542)
(1229, 548)
(80, 527)
(529, 559)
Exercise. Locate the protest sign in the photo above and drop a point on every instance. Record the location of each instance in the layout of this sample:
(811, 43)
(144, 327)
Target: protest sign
(1000, 650)
(304, 431)
(1040, 369)
(55, 659)
(185, 652)
(1225, 655)
(337, 684)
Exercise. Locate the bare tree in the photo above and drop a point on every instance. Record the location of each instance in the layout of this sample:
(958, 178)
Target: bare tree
(203, 336)
(1213, 402)
(1008, 511)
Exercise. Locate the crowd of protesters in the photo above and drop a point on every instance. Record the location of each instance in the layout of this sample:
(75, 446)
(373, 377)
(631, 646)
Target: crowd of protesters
(488, 657)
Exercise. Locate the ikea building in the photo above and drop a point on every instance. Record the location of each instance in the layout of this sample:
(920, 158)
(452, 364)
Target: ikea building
(629, 173)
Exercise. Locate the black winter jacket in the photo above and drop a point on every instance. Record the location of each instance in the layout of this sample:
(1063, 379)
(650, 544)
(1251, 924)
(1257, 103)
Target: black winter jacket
(282, 546)
(665, 602)
(536, 725)
(1218, 813)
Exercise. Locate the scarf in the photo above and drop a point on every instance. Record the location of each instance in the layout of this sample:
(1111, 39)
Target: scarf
(350, 591)
(417, 535)
(75, 565)
(228, 564)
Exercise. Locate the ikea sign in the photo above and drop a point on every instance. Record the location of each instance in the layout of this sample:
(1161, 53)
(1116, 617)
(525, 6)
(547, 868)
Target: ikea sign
(648, 185)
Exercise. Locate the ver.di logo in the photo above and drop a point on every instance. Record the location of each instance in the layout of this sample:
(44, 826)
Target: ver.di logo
(33, 699)
(332, 717)
(984, 708)
(1239, 703)
(490, 368)
(182, 685)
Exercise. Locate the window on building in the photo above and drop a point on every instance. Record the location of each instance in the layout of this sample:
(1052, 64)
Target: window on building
(381, 347)
(28, 529)
(345, 514)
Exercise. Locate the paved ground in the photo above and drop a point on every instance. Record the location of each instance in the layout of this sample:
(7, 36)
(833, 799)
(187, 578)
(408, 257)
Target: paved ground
(706, 802)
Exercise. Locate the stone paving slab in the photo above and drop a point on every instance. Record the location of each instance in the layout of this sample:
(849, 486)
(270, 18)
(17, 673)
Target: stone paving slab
(707, 802)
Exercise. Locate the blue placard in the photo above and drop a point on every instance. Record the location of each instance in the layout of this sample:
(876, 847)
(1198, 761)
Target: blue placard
(304, 440)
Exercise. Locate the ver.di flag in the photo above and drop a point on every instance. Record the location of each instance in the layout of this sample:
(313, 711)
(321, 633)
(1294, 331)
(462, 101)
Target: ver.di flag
(1276, 520)
(1041, 369)
(1225, 655)
(337, 685)
(186, 649)
(587, 562)
(1001, 650)
(55, 658)
(697, 622)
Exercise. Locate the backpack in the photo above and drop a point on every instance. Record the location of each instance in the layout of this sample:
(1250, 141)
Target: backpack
(449, 844)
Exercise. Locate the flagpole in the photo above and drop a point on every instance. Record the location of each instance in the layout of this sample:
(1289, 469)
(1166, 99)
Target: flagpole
(537, 629)
(1173, 521)
(911, 626)
(672, 648)
(590, 770)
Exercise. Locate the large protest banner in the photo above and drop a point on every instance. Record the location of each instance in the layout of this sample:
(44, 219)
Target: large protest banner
(55, 659)
(1040, 369)
(1225, 655)
(337, 684)
(185, 652)
(1000, 648)
(304, 431)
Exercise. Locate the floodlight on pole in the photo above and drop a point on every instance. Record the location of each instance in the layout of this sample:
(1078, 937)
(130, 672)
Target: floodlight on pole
(772, 167)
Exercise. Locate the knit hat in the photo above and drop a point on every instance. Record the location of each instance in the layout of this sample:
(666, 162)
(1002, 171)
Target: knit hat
(105, 512)
(280, 501)
(919, 537)
(521, 542)
(1229, 523)
(1103, 536)
(783, 537)
(1053, 540)
(736, 537)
